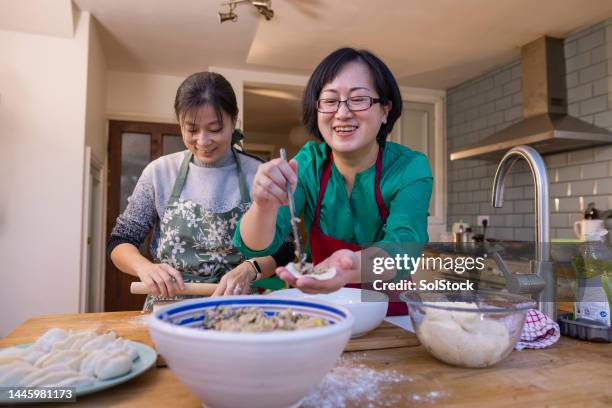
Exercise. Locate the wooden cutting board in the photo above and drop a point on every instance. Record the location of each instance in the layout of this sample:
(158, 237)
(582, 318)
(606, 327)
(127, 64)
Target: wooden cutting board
(132, 325)
(385, 336)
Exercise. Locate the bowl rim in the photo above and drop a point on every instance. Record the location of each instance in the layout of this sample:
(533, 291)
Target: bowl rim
(522, 303)
(314, 295)
(155, 323)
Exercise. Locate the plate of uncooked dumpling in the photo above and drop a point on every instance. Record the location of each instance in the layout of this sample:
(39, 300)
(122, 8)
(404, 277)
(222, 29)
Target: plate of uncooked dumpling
(83, 359)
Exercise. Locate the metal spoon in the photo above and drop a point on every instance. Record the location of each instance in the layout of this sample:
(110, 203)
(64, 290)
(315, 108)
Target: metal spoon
(294, 219)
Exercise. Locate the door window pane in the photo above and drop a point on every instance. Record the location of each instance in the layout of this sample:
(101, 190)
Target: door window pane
(135, 155)
(172, 144)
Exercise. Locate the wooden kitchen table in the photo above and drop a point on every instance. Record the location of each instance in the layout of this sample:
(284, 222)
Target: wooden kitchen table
(571, 373)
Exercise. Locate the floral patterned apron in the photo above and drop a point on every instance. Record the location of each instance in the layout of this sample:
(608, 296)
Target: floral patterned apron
(195, 241)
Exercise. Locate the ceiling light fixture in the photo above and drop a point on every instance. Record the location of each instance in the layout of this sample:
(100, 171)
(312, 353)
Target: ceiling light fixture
(264, 7)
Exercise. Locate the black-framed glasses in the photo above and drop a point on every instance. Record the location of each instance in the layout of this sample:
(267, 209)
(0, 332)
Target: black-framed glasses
(354, 104)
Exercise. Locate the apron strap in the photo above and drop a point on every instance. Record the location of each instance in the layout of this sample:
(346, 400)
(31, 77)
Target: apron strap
(244, 189)
(180, 179)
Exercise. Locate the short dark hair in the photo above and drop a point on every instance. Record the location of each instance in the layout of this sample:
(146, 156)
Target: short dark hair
(328, 69)
(205, 88)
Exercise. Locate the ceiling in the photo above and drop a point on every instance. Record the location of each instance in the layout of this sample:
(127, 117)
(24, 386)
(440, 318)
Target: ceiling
(427, 43)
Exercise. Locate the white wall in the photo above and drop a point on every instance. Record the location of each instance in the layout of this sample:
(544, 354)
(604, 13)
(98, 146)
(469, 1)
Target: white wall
(42, 122)
(96, 134)
(142, 97)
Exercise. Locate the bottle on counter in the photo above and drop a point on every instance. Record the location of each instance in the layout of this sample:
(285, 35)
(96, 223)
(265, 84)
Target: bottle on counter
(594, 280)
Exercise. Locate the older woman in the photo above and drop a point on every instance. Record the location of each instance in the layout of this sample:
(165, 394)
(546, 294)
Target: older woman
(354, 188)
(194, 199)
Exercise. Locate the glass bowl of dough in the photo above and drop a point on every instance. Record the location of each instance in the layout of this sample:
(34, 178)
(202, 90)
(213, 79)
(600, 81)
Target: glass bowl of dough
(469, 329)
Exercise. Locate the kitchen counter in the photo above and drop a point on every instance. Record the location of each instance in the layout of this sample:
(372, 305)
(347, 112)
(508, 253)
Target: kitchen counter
(570, 373)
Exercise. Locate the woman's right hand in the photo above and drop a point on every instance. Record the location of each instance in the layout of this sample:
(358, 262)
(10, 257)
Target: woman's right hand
(161, 279)
(270, 183)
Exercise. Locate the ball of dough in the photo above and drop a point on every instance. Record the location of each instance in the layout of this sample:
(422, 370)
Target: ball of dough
(464, 338)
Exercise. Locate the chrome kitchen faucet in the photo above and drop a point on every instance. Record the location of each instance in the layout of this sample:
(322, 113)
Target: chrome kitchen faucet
(542, 282)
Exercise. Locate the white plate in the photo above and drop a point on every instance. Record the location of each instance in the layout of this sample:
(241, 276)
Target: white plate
(146, 358)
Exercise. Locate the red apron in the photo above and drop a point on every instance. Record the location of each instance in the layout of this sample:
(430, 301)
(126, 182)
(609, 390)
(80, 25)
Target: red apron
(322, 246)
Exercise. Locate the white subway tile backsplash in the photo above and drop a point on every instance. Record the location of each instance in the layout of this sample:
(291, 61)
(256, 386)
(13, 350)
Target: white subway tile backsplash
(502, 77)
(503, 103)
(564, 233)
(479, 107)
(574, 109)
(602, 86)
(593, 72)
(571, 48)
(572, 80)
(591, 41)
(555, 160)
(524, 206)
(568, 173)
(569, 204)
(512, 87)
(582, 188)
(599, 54)
(577, 62)
(513, 193)
(524, 234)
(522, 179)
(580, 156)
(513, 113)
(514, 220)
(594, 170)
(559, 220)
(559, 189)
(604, 119)
(594, 105)
(580, 93)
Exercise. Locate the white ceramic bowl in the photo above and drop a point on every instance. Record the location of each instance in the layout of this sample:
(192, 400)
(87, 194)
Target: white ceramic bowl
(232, 369)
(368, 307)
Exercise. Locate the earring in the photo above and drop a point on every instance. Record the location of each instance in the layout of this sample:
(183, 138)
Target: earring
(384, 121)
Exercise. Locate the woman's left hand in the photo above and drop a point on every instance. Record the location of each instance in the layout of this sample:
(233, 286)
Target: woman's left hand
(347, 267)
(236, 282)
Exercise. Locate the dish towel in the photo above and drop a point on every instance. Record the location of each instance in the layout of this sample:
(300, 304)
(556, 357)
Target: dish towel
(540, 331)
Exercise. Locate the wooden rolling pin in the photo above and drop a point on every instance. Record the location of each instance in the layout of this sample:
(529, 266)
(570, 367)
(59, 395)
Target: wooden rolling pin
(201, 289)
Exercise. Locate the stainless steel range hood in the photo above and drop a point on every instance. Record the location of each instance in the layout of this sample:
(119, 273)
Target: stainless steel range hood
(545, 125)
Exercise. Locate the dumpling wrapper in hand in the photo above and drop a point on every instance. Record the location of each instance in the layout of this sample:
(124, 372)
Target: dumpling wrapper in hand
(293, 269)
(114, 366)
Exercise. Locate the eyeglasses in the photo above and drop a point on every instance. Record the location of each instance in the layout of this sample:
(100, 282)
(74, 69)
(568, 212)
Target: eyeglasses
(354, 104)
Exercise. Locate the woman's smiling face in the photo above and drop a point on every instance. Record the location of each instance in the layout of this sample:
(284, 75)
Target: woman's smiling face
(205, 136)
(345, 131)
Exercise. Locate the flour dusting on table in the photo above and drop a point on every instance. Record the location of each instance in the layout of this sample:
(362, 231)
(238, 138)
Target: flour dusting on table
(351, 382)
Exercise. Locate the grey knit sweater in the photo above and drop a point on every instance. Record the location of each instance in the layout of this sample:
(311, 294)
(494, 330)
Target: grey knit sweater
(215, 187)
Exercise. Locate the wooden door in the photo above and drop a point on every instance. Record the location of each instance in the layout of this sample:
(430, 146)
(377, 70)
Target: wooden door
(132, 145)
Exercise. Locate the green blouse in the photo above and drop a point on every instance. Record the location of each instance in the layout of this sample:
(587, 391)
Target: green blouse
(406, 184)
